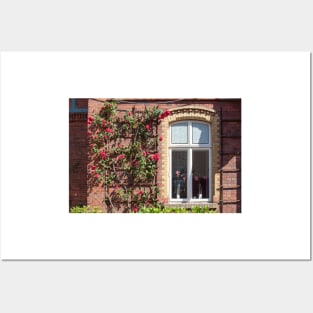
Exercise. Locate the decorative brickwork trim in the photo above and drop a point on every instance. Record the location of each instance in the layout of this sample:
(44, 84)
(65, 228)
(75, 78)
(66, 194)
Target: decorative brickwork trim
(78, 117)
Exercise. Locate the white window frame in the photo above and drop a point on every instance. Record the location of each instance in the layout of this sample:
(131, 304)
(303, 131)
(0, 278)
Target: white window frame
(190, 147)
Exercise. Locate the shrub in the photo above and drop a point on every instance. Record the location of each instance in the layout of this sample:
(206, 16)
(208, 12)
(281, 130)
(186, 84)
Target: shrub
(85, 209)
(202, 209)
(195, 209)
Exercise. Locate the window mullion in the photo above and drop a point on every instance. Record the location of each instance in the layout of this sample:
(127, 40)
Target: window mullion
(189, 158)
(189, 181)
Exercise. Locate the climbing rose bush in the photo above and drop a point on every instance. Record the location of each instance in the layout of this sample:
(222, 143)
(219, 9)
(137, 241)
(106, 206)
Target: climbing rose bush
(124, 156)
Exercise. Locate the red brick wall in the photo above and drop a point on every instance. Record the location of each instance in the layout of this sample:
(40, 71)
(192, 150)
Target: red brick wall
(230, 115)
(78, 156)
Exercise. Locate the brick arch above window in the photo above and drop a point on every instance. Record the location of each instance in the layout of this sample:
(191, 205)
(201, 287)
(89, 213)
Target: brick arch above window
(190, 113)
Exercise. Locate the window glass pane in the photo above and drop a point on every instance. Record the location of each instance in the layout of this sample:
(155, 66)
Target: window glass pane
(200, 174)
(200, 133)
(180, 133)
(179, 174)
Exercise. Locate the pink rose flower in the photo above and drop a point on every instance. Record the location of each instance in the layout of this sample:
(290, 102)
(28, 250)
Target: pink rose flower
(164, 114)
(120, 157)
(103, 155)
(156, 157)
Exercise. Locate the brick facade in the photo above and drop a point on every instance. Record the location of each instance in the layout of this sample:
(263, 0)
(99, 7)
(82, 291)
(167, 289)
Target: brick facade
(78, 151)
(224, 115)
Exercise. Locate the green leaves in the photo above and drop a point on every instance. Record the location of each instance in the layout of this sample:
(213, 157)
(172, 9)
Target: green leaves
(195, 209)
(85, 209)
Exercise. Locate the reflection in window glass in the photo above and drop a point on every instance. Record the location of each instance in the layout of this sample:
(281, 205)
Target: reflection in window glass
(179, 174)
(180, 133)
(200, 133)
(200, 174)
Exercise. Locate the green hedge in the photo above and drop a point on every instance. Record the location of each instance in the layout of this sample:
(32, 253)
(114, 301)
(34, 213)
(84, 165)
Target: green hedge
(85, 209)
(194, 209)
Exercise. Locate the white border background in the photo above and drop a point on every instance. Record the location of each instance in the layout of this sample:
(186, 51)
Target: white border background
(168, 286)
(275, 92)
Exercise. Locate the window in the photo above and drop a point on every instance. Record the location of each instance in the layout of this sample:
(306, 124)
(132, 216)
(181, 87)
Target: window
(190, 152)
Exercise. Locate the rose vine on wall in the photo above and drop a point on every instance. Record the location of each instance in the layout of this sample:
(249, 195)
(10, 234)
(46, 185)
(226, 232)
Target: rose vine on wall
(124, 156)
